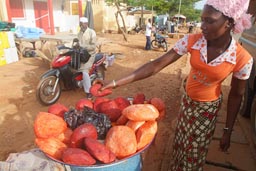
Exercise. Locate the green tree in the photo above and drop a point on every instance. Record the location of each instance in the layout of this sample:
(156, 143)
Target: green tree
(148, 4)
(171, 7)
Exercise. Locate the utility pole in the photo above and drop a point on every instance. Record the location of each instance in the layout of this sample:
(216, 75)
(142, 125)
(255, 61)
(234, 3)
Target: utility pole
(178, 16)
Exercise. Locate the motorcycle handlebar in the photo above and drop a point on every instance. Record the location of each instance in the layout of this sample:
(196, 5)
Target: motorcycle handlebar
(74, 44)
(65, 47)
(60, 47)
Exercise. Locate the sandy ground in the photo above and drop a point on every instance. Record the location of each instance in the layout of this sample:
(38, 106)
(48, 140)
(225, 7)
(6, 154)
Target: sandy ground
(18, 104)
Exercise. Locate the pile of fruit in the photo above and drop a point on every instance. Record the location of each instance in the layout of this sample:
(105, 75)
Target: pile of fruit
(100, 131)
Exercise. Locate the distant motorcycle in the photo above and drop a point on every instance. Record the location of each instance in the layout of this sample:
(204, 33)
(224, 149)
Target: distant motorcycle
(163, 29)
(159, 41)
(135, 30)
(64, 74)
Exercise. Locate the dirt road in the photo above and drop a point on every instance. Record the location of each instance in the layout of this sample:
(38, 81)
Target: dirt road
(18, 104)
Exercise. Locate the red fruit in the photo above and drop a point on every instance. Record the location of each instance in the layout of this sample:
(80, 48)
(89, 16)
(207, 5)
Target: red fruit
(135, 125)
(84, 102)
(121, 140)
(58, 109)
(65, 136)
(122, 102)
(139, 98)
(51, 146)
(78, 157)
(122, 120)
(160, 105)
(47, 125)
(161, 115)
(111, 109)
(95, 91)
(84, 130)
(97, 103)
(146, 133)
(99, 150)
(141, 112)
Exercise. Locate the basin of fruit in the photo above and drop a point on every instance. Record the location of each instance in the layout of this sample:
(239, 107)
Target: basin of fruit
(108, 134)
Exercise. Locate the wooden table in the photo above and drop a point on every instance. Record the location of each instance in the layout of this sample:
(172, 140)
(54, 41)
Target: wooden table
(59, 39)
(19, 44)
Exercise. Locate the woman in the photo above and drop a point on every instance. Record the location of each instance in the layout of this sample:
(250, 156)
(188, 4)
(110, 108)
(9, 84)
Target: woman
(214, 56)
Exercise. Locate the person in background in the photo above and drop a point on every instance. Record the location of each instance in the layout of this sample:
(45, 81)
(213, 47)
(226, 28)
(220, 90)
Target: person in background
(214, 56)
(190, 27)
(172, 25)
(87, 39)
(148, 35)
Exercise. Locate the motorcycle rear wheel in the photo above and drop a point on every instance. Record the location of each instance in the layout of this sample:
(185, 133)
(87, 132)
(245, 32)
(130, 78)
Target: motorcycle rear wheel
(154, 44)
(101, 72)
(253, 119)
(164, 46)
(45, 89)
(247, 100)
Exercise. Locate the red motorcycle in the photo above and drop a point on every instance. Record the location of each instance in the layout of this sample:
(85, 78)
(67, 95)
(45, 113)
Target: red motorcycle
(64, 75)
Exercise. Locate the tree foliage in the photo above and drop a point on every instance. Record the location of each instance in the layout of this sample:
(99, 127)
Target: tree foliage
(170, 7)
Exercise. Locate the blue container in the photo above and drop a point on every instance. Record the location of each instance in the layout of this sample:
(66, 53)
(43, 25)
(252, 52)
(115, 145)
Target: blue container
(132, 163)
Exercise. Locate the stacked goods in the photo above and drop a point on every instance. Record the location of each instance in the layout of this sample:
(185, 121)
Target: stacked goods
(8, 50)
(100, 131)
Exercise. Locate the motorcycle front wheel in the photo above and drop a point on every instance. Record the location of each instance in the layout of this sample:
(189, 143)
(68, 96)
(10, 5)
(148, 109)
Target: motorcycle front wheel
(101, 72)
(154, 44)
(164, 46)
(45, 88)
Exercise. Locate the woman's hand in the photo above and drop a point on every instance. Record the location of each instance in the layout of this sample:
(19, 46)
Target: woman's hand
(225, 141)
(105, 84)
(108, 85)
(98, 81)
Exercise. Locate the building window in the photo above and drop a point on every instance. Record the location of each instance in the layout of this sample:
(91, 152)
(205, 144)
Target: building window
(16, 8)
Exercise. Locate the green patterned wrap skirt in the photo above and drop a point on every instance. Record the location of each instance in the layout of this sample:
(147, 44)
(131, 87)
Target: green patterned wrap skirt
(194, 132)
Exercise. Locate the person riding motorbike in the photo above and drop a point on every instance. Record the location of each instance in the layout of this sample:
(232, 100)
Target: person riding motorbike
(87, 39)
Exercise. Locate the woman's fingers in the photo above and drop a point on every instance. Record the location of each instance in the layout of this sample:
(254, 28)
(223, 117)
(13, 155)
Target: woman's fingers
(106, 86)
(225, 143)
(98, 81)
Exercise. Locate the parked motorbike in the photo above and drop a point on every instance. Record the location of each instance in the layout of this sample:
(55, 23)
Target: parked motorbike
(135, 30)
(64, 74)
(159, 41)
(163, 29)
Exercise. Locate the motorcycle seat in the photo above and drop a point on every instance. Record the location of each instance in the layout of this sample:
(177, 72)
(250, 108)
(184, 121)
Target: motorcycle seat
(99, 57)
